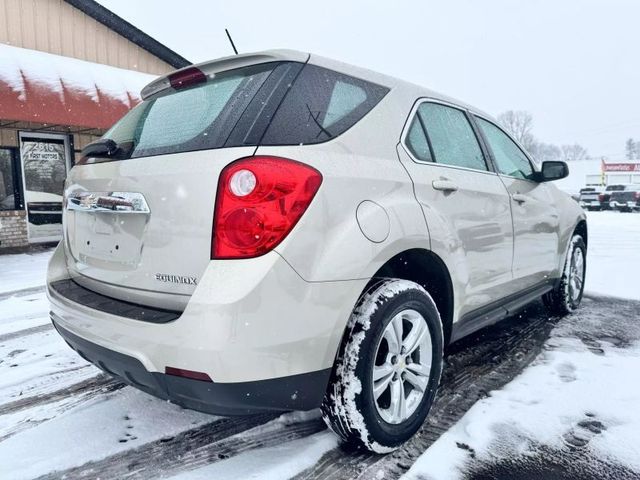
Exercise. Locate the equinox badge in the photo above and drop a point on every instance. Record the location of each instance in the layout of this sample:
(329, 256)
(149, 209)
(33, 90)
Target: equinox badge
(163, 277)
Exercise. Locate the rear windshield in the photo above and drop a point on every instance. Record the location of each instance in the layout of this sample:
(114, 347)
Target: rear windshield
(279, 103)
(196, 118)
(615, 188)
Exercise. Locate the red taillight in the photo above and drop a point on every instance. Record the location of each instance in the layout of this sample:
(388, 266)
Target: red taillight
(186, 78)
(260, 199)
(637, 195)
(601, 198)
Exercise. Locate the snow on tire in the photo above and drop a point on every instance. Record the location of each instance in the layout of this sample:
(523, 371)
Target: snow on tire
(566, 297)
(388, 368)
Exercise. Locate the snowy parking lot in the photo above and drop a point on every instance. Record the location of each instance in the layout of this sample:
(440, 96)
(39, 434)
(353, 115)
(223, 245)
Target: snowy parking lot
(532, 397)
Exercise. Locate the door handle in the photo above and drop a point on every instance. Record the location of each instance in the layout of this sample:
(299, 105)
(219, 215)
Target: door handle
(519, 197)
(444, 185)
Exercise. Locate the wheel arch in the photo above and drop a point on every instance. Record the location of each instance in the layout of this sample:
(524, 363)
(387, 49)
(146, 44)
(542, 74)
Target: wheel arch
(581, 229)
(428, 270)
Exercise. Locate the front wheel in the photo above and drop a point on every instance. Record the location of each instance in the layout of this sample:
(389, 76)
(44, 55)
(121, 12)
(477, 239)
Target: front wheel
(388, 368)
(566, 297)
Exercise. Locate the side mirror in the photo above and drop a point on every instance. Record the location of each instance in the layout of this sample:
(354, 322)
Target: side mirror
(553, 170)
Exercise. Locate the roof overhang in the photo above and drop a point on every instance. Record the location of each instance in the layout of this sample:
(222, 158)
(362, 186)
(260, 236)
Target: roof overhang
(52, 89)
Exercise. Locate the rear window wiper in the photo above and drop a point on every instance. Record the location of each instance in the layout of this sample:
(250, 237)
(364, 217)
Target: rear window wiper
(104, 148)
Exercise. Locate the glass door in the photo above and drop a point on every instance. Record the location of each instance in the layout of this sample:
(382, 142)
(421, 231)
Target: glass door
(45, 161)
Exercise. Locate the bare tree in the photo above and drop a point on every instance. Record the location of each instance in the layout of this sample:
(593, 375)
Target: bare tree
(545, 151)
(575, 152)
(519, 124)
(631, 149)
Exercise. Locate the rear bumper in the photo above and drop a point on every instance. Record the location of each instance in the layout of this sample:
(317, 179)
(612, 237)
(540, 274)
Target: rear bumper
(624, 205)
(297, 392)
(590, 204)
(252, 326)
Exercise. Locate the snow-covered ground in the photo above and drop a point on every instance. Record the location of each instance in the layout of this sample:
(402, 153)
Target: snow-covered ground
(613, 262)
(574, 406)
(23, 271)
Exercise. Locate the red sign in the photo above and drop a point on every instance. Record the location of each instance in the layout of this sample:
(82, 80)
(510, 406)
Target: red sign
(620, 167)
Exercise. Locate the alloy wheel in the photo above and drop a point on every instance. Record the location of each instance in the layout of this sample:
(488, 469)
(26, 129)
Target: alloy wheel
(402, 366)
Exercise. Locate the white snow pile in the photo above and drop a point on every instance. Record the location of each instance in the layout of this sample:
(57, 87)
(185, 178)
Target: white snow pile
(52, 71)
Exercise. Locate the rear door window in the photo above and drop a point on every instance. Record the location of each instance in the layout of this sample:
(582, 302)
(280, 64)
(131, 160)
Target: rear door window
(452, 138)
(321, 105)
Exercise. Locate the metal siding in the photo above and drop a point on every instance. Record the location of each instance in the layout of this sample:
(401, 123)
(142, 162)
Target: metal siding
(56, 27)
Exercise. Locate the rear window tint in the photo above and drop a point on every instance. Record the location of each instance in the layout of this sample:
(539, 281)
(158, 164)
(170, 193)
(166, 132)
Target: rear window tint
(321, 105)
(197, 118)
(279, 103)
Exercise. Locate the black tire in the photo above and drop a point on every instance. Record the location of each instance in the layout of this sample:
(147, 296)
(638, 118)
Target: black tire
(562, 300)
(349, 407)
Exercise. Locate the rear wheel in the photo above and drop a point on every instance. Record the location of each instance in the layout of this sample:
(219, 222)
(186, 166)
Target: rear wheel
(388, 368)
(566, 297)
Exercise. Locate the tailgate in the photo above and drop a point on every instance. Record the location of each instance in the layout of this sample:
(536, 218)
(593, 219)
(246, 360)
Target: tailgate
(140, 229)
(139, 205)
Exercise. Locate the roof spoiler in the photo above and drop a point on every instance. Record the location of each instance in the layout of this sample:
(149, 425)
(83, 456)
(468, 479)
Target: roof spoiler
(210, 68)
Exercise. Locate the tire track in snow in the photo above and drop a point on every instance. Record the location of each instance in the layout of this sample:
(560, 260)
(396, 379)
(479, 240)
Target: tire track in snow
(76, 393)
(485, 361)
(26, 331)
(22, 292)
(61, 401)
(198, 447)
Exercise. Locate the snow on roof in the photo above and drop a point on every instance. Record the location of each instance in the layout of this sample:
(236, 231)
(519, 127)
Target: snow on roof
(46, 88)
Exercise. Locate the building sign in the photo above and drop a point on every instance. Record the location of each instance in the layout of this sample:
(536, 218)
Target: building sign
(620, 167)
(44, 166)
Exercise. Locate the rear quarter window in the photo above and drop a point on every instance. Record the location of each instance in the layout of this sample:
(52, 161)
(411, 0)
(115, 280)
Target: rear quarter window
(321, 105)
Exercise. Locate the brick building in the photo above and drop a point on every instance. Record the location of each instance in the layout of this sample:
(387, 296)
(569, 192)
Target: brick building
(68, 70)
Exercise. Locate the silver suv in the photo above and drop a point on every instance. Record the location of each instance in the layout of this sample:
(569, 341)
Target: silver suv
(279, 231)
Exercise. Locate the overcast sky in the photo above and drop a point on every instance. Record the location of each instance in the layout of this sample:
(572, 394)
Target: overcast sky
(574, 64)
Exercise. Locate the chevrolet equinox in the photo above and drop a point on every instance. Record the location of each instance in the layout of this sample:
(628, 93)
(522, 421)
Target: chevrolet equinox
(280, 231)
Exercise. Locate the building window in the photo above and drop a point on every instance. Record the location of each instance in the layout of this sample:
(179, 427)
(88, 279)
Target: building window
(9, 180)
